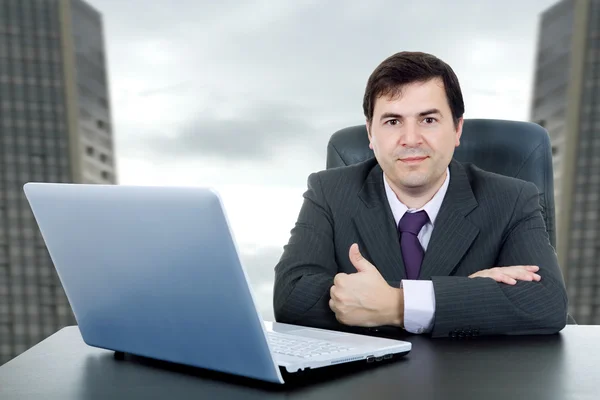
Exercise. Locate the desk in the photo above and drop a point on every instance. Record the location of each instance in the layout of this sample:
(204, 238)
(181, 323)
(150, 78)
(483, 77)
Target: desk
(563, 366)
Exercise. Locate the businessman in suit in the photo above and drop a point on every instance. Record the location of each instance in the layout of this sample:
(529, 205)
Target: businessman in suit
(414, 240)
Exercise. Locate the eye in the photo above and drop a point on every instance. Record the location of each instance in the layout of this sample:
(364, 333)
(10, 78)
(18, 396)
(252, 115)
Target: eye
(429, 120)
(392, 122)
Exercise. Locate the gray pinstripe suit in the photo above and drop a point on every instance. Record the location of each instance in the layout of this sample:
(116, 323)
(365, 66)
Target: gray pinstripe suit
(486, 220)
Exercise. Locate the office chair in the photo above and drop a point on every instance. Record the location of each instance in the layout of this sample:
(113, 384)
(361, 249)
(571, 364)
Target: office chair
(511, 148)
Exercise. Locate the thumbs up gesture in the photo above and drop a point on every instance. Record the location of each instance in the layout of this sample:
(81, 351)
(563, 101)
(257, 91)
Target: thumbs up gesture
(364, 298)
(360, 263)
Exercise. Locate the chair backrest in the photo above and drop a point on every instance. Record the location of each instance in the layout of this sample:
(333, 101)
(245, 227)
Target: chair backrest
(511, 148)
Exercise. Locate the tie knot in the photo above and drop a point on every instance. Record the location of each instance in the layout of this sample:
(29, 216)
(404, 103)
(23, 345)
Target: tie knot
(413, 222)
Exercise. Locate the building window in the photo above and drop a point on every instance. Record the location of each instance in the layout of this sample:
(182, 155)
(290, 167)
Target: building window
(105, 175)
(90, 150)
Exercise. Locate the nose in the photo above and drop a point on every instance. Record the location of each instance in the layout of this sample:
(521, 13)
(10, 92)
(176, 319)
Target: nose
(410, 136)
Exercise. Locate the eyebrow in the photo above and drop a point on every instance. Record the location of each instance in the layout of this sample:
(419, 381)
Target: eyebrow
(421, 114)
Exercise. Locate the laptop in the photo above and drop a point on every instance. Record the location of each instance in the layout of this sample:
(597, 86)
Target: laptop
(155, 272)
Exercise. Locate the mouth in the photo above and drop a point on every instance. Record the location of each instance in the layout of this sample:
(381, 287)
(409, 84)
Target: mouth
(412, 160)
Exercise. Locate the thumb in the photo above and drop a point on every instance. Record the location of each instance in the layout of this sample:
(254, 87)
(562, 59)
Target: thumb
(360, 263)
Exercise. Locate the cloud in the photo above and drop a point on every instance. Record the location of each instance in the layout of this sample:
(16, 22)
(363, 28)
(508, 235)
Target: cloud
(207, 79)
(250, 91)
(257, 133)
(254, 89)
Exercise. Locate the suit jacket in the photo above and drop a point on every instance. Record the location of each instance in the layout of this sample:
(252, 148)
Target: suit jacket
(486, 220)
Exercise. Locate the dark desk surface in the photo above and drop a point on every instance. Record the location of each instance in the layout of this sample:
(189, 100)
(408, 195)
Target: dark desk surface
(563, 366)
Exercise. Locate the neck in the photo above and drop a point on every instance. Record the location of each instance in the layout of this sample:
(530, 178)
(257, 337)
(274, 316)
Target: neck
(419, 196)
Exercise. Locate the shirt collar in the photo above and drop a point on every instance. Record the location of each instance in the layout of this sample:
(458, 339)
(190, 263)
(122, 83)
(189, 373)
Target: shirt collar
(432, 208)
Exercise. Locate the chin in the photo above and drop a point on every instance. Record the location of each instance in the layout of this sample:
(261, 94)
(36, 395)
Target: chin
(415, 184)
(415, 181)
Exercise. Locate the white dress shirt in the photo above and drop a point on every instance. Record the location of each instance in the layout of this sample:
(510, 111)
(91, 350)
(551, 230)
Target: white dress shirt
(419, 296)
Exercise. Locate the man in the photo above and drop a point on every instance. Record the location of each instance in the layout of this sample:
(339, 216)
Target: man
(412, 239)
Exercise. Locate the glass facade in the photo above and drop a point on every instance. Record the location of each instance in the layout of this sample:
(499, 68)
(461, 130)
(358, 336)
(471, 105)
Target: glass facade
(35, 146)
(551, 83)
(92, 89)
(584, 278)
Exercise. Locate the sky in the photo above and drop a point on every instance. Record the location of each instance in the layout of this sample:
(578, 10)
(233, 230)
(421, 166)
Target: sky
(242, 96)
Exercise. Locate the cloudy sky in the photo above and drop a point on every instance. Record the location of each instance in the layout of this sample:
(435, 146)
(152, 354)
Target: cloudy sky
(243, 95)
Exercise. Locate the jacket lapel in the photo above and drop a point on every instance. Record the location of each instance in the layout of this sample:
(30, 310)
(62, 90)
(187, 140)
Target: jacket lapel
(452, 233)
(375, 225)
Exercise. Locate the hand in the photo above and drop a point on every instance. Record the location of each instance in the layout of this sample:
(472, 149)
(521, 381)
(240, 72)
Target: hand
(510, 275)
(364, 298)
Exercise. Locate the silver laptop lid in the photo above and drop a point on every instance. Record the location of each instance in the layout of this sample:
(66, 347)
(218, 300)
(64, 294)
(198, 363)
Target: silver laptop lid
(154, 271)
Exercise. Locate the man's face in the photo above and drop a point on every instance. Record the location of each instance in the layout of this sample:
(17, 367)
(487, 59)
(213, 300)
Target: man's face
(413, 136)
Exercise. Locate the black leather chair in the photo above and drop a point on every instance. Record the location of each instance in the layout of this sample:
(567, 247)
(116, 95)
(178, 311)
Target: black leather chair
(511, 148)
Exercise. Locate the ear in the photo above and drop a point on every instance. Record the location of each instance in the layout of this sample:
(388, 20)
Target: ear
(368, 125)
(459, 129)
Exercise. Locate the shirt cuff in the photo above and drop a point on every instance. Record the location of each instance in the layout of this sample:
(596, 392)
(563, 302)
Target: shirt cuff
(419, 306)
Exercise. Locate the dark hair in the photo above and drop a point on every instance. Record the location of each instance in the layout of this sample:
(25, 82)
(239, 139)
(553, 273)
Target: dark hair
(408, 67)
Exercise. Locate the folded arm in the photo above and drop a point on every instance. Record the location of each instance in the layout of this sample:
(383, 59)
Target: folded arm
(482, 304)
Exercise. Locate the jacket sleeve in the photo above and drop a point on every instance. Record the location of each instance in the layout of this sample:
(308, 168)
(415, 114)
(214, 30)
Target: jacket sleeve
(305, 272)
(466, 305)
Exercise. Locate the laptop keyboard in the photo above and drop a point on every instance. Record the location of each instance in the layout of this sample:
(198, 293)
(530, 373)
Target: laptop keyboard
(282, 343)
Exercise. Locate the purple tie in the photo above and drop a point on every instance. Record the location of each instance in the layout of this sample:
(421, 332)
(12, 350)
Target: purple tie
(412, 252)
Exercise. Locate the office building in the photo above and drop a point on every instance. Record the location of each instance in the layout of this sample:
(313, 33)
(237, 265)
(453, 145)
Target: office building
(55, 126)
(566, 101)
